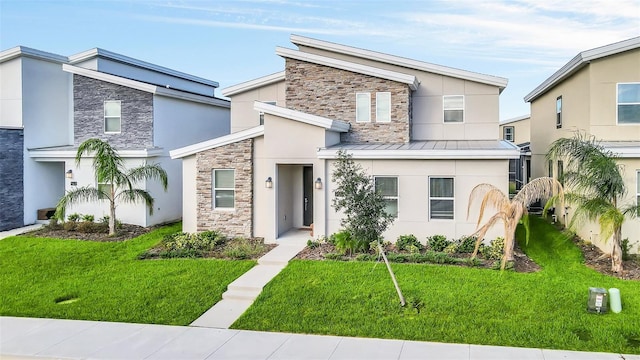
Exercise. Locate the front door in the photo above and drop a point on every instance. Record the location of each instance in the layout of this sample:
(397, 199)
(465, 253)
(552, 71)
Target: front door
(307, 195)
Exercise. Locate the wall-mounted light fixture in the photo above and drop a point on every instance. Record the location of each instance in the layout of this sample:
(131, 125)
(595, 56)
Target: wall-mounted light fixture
(318, 183)
(268, 183)
(69, 174)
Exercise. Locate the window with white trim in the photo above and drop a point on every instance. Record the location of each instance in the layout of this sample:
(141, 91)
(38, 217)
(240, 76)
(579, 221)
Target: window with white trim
(223, 188)
(509, 133)
(387, 186)
(363, 107)
(104, 187)
(383, 107)
(628, 110)
(559, 112)
(441, 198)
(453, 108)
(112, 116)
(550, 168)
(262, 114)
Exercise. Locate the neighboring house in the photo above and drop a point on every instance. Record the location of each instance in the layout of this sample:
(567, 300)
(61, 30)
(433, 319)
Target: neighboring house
(596, 93)
(426, 133)
(49, 104)
(517, 130)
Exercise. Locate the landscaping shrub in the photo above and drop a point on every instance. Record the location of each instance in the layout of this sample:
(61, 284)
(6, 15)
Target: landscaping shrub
(312, 244)
(404, 242)
(626, 249)
(495, 250)
(88, 227)
(88, 218)
(334, 256)
(242, 248)
(438, 242)
(466, 244)
(74, 217)
(70, 226)
(346, 243)
(451, 249)
(190, 245)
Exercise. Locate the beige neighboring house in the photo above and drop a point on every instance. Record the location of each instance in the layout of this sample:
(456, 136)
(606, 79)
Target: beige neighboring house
(597, 93)
(517, 130)
(426, 133)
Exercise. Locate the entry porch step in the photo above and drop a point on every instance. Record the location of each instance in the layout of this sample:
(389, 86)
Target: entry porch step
(281, 255)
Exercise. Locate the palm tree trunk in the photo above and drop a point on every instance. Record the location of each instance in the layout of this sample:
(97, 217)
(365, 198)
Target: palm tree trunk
(112, 217)
(616, 253)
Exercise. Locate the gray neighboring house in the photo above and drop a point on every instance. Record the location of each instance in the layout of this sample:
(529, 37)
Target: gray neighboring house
(49, 104)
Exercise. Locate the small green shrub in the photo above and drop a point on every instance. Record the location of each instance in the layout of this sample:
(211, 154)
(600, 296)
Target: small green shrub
(312, 244)
(105, 219)
(70, 225)
(467, 244)
(87, 227)
(189, 245)
(404, 242)
(346, 243)
(626, 249)
(241, 248)
(88, 217)
(74, 217)
(366, 257)
(451, 249)
(54, 224)
(495, 250)
(438, 242)
(334, 256)
(508, 266)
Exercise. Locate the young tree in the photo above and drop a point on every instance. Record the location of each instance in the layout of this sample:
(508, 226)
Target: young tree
(365, 217)
(511, 211)
(596, 188)
(109, 169)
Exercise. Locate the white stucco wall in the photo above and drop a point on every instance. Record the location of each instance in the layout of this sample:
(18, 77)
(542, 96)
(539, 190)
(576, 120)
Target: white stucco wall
(11, 93)
(189, 195)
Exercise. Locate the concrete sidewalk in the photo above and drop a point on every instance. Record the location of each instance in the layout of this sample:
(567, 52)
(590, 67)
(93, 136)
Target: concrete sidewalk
(28, 338)
(18, 231)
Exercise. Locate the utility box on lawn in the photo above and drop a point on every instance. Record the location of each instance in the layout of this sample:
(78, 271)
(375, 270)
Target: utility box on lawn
(598, 300)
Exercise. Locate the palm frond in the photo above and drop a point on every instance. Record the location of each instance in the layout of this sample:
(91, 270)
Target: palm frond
(541, 188)
(490, 195)
(482, 231)
(134, 195)
(82, 194)
(153, 171)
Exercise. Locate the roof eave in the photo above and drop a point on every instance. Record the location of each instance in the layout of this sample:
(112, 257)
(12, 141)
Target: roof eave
(217, 142)
(253, 84)
(423, 154)
(329, 124)
(19, 51)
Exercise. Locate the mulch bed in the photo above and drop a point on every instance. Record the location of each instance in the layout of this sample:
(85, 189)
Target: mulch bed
(125, 232)
(601, 262)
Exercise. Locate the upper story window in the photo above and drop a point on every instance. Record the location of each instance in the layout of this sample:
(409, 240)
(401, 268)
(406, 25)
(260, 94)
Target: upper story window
(262, 114)
(509, 133)
(559, 112)
(441, 198)
(550, 168)
(453, 107)
(383, 107)
(387, 186)
(363, 107)
(223, 188)
(629, 103)
(112, 119)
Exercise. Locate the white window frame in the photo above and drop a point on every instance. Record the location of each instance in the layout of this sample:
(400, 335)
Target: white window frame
(368, 117)
(397, 197)
(452, 198)
(386, 118)
(119, 102)
(261, 114)
(103, 183)
(512, 134)
(559, 112)
(618, 103)
(444, 109)
(214, 189)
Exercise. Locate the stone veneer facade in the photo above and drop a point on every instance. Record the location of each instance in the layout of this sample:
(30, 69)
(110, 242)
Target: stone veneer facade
(136, 115)
(236, 222)
(329, 92)
(11, 178)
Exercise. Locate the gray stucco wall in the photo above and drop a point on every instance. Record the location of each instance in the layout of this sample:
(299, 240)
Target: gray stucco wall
(11, 178)
(89, 96)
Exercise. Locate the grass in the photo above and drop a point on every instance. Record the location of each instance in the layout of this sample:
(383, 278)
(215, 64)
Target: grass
(86, 280)
(546, 309)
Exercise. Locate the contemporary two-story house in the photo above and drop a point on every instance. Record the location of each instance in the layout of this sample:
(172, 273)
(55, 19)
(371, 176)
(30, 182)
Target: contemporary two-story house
(49, 104)
(597, 93)
(427, 134)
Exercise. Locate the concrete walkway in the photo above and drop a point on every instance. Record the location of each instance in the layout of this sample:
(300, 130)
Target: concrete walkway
(244, 290)
(18, 231)
(27, 338)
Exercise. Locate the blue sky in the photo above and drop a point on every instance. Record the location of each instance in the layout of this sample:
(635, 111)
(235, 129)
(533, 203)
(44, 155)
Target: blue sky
(234, 41)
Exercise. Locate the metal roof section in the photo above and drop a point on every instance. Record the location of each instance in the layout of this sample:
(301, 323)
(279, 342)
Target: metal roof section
(400, 61)
(139, 85)
(97, 52)
(623, 149)
(410, 80)
(217, 142)
(253, 84)
(329, 124)
(18, 51)
(428, 150)
(579, 61)
(515, 119)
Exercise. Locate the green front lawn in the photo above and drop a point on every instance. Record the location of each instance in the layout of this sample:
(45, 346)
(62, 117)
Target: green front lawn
(461, 305)
(108, 281)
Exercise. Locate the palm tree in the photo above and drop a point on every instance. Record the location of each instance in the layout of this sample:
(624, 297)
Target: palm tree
(109, 169)
(594, 177)
(510, 211)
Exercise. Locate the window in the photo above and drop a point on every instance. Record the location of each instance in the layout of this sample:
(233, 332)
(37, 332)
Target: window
(112, 119)
(363, 107)
(104, 187)
(223, 188)
(638, 190)
(262, 114)
(453, 106)
(441, 198)
(550, 168)
(629, 103)
(388, 187)
(560, 171)
(509, 132)
(383, 107)
(513, 184)
(559, 112)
